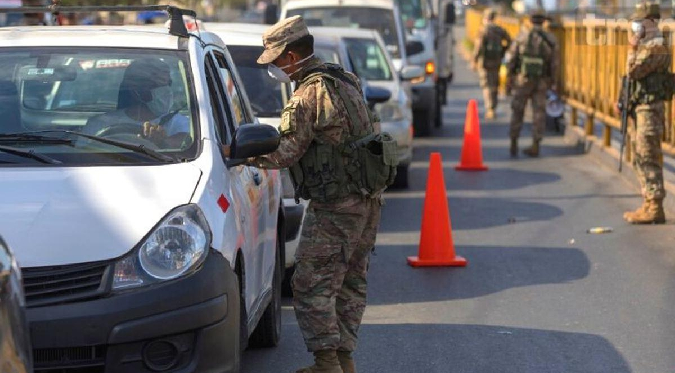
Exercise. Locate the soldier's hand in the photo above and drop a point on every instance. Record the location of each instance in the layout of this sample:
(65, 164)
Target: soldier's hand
(617, 108)
(225, 149)
(634, 41)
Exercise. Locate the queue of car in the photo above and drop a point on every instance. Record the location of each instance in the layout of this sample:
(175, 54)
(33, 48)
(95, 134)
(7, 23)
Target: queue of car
(146, 249)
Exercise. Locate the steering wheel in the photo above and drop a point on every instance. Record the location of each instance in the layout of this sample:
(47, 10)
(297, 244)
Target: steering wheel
(121, 128)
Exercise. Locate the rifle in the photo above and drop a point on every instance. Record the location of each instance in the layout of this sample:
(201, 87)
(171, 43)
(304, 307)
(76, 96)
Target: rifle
(624, 106)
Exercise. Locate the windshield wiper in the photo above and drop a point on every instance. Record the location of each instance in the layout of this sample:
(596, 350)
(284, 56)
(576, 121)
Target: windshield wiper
(32, 138)
(29, 154)
(120, 144)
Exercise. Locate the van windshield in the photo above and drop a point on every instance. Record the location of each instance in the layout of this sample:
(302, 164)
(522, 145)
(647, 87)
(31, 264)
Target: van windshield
(60, 102)
(414, 13)
(378, 19)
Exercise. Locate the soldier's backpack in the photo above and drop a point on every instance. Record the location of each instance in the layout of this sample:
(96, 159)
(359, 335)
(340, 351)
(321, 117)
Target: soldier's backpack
(533, 63)
(492, 47)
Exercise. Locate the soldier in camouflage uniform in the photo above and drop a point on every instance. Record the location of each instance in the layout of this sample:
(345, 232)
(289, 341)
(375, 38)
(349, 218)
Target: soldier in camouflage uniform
(532, 70)
(325, 112)
(490, 47)
(647, 68)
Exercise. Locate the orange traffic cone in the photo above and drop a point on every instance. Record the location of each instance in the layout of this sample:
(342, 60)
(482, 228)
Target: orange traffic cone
(436, 246)
(472, 154)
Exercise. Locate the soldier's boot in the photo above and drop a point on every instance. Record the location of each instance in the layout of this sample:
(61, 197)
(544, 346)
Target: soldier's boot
(325, 361)
(631, 215)
(651, 214)
(532, 151)
(514, 147)
(490, 114)
(346, 361)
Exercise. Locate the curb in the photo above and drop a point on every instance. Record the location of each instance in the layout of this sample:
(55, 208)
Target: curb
(609, 157)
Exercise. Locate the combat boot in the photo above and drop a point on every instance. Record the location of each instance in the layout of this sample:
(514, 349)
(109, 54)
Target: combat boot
(325, 361)
(346, 361)
(631, 215)
(651, 214)
(490, 114)
(514, 148)
(532, 151)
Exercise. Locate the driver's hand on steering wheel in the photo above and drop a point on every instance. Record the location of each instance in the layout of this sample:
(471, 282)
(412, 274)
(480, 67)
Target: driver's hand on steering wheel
(153, 132)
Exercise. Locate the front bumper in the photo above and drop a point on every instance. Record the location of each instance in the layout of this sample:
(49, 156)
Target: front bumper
(186, 325)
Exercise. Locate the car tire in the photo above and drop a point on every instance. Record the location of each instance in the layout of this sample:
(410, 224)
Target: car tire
(438, 110)
(401, 180)
(268, 331)
(243, 328)
(286, 285)
(422, 122)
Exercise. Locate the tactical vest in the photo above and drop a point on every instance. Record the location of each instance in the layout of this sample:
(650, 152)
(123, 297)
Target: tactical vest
(365, 164)
(533, 64)
(655, 87)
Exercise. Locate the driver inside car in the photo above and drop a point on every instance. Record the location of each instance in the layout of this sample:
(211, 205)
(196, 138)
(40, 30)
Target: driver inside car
(144, 107)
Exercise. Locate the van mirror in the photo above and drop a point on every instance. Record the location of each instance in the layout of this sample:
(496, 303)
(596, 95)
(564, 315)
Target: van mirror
(450, 13)
(410, 72)
(252, 140)
(413, 47)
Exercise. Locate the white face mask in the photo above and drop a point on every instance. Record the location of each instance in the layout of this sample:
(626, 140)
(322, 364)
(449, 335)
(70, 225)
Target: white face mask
(162, 100)
(279, 74)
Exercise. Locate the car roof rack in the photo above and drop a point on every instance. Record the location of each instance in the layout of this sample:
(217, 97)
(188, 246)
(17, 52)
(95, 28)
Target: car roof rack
(176, 27)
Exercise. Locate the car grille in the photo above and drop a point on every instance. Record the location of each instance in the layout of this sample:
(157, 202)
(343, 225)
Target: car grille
(89, 359)
(61, 284)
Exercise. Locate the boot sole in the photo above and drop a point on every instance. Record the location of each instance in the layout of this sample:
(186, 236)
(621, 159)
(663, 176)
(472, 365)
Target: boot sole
(650, 222)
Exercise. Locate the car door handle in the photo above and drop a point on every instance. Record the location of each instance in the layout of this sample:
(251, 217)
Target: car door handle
(256, 178)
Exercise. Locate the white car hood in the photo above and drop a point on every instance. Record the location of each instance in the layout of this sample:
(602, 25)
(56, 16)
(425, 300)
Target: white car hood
(84, 214)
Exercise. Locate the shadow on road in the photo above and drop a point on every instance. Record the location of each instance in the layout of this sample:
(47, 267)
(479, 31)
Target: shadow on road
(496, 179)
(491, 270)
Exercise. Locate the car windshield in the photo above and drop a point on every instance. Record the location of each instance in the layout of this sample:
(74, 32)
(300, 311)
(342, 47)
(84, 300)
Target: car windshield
(327, 54)
(414, 13)
(378, 19)
(368, 59)
(103, 93)
(264, 92)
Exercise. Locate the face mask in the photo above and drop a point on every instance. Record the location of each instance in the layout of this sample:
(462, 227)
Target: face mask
(637, 28)
(162, 100)
(278, 73)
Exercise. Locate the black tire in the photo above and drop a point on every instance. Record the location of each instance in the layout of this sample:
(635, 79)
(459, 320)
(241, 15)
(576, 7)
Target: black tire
(422, 122)
(401, 180)
(286, 285)
(438, 110)
(243, 319)
(268, 331)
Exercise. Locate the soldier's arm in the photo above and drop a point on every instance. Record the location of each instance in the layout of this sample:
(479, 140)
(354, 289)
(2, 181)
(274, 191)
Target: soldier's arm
(555, 61)
(513, 59)
(477, 47)
(297, 130)
(646, 60)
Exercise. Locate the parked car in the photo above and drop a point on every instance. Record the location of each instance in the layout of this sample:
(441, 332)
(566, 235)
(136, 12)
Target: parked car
(363, 52)
(268, 97)
(384, 17)
(15, 350)
(143, 248)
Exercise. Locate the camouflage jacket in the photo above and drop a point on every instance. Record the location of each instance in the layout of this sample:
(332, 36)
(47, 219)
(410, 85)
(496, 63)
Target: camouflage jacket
(652, 55)
(490, 32)
(314, 114)
(543, 41)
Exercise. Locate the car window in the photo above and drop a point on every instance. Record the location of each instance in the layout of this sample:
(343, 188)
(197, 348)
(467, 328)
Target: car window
(378, 19)
(106, 92)
(264, 92)
(368, 59)
(218, 102)
(233, 91)
(327, 55)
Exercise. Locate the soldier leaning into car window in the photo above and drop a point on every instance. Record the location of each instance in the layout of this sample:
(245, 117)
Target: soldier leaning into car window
(326, 113)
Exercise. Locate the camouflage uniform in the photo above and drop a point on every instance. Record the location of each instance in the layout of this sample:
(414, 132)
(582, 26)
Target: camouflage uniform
(329, 285)
(489, 67)
(545, 45)
(652, 56)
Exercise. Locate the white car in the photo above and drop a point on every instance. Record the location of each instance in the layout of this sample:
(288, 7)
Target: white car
(363, 53)
(143, 248)
(268, 97)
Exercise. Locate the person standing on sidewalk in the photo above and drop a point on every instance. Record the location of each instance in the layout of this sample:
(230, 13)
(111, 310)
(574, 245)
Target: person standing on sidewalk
(490, 47)
(648, 68)
(322, 127)
(532, 70)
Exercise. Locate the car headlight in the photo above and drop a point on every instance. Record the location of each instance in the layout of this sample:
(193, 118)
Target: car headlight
(389, 112)
(175, 247)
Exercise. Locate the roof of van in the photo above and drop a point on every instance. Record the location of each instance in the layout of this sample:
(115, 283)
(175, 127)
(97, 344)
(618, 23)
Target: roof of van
(238, 33)
(294, 4)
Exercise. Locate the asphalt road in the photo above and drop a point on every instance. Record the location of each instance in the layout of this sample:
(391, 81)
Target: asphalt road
(539, 294)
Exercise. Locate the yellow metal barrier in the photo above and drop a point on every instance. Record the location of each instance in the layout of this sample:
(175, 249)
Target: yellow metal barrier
(593, 53)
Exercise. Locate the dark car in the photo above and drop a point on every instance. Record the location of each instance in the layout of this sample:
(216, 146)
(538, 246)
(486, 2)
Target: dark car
(15, 351)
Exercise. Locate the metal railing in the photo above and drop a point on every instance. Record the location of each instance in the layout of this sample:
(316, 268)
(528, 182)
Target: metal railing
(593, 53)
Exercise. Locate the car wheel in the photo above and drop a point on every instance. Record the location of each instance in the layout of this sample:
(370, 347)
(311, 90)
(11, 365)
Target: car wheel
(438, 111)
(422, 122)
(268, 331)
(401, 180)
(286, 285)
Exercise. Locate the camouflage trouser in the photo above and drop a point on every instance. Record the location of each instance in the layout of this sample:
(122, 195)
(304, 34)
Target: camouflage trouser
(329, 285)
(489, 81)
(646, 146)
(522, 92)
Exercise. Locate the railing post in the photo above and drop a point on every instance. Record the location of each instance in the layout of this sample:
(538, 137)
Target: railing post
(574, 117)
(606, 136)
(588, 126)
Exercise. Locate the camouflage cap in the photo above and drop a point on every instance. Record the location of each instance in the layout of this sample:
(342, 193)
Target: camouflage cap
(538, 14)
(653, 10)
(277, 37)
(644, 10)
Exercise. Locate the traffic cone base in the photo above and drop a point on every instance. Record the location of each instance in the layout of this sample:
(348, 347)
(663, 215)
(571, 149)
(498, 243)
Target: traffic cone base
(466, 168)
(472, 153)
(457, 261)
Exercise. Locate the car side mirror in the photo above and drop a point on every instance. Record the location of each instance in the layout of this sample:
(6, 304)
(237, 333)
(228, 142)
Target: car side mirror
(410, 72)
(377, 95)
(450, 13)
(252, 140)
(413, 47)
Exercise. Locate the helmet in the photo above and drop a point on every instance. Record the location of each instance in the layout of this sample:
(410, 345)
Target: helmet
(653, 10)
(538, 15)
(554, 106)
(646, 10)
